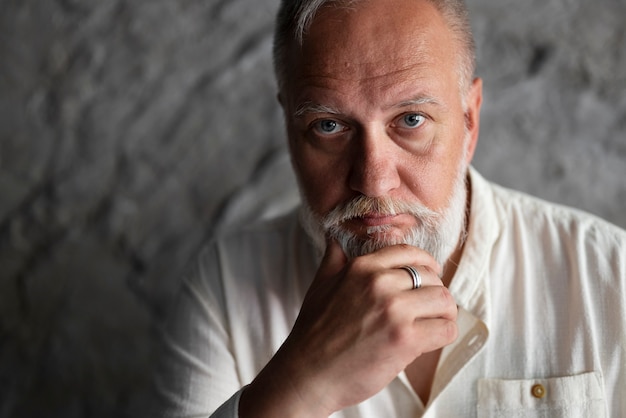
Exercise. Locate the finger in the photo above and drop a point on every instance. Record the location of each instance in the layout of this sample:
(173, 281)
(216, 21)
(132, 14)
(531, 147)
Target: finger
(333, 261)
(440, 332)
(403, 280)
(429, 302)
(396, 256)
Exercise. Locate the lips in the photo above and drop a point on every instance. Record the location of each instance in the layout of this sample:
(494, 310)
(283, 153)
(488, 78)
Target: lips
(378, 219)
(374, 224)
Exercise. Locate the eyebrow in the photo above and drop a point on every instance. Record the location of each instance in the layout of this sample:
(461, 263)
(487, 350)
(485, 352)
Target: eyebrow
(311, 107)
(421, 100)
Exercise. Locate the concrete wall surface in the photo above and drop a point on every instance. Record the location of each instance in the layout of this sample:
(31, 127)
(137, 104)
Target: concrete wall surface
(131, 130)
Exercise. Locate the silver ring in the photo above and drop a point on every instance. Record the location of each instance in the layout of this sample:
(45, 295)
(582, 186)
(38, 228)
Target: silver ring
(415, 276)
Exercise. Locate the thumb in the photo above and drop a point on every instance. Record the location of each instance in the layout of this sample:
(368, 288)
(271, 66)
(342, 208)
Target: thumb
(333, 261)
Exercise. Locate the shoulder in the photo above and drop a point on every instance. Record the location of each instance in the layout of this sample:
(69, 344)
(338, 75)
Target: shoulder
(250, 241)
(262, 238)
(511, 210)
(538, 214)
(264, 254)
(562, 235)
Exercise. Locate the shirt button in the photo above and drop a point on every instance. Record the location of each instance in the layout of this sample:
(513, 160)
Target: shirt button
(538, 391)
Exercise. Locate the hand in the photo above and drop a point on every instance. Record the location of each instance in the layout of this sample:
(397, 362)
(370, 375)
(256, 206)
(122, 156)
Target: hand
(361, 323)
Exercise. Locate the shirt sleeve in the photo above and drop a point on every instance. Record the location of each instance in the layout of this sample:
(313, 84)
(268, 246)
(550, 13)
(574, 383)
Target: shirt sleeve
(230, 408)
(196, 370)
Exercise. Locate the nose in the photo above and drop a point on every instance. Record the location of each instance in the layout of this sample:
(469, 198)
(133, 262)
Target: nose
(374, 169)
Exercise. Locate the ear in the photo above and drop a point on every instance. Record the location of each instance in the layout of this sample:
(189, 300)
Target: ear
(472, 115)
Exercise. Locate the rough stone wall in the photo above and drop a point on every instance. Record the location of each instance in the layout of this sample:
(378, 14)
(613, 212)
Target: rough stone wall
(131, 130)
(554, 115)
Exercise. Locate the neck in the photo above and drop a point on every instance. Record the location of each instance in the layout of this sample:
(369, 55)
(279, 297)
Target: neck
(452, 264)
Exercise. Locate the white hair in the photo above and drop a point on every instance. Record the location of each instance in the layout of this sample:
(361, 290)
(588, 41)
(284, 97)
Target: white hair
(294, 17)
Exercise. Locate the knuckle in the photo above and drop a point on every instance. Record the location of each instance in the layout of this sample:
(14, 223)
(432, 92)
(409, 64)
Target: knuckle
(399, 335)
(391, 310)
(371, 286)
(450, 331)
(446, 297)
(393, 317)
(430, 271)
(377, 282)
(356, 264)
(415, 252)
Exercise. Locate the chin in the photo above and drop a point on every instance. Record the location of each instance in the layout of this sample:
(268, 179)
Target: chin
(383, 233)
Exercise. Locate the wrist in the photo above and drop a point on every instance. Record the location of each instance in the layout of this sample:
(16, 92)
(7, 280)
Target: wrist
(279, 391)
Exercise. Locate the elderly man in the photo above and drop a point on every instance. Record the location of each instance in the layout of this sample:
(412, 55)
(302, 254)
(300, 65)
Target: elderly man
(408, 285)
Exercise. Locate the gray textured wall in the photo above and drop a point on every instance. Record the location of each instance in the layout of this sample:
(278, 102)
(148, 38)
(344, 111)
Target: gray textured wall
(130, 130)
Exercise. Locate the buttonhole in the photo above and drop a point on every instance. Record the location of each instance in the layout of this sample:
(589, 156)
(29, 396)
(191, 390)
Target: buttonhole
(473, 340)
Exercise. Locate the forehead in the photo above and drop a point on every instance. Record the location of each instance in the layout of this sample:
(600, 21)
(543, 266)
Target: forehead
(375, 45)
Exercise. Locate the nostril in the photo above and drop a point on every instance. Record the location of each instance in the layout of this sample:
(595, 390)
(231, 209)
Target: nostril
(374, 179)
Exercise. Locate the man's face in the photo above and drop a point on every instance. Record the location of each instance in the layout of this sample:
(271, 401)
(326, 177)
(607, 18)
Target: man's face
(374, 111)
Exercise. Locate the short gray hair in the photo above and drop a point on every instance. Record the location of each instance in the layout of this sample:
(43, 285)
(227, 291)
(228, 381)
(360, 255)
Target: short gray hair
(295, 17)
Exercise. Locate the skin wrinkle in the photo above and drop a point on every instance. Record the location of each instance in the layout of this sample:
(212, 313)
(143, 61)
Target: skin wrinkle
(367, 72)
(435, 231)
(369, 63)
(425, 167)
(368, 98)
(309, 107)
(359, 75)
(423, 102)
(454, 13)
(388, 85)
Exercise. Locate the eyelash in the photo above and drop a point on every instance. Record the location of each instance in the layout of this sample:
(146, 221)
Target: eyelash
(423, 118)
(316, 125)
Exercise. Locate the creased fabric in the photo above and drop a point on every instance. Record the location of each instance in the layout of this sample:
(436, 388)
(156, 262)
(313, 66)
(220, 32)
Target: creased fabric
(541, 290)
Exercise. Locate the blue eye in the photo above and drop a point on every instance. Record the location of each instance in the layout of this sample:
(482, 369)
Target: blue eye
(328, 127)
(413, 120)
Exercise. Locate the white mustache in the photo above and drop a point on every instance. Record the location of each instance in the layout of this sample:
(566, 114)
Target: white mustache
(362, 206)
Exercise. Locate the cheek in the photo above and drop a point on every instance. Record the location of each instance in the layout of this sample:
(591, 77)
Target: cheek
(321, 178)
(431, 178)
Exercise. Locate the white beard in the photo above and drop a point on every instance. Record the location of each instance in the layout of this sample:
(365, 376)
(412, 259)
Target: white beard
(438, 233)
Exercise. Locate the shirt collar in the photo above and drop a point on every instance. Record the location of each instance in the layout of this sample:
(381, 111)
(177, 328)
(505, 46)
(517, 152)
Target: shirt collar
(469, 284)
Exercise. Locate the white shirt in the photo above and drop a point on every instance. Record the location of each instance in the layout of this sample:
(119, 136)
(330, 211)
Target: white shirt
(541, 291)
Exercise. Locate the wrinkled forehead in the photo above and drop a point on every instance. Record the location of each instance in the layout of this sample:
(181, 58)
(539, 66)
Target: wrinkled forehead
(371, 39)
